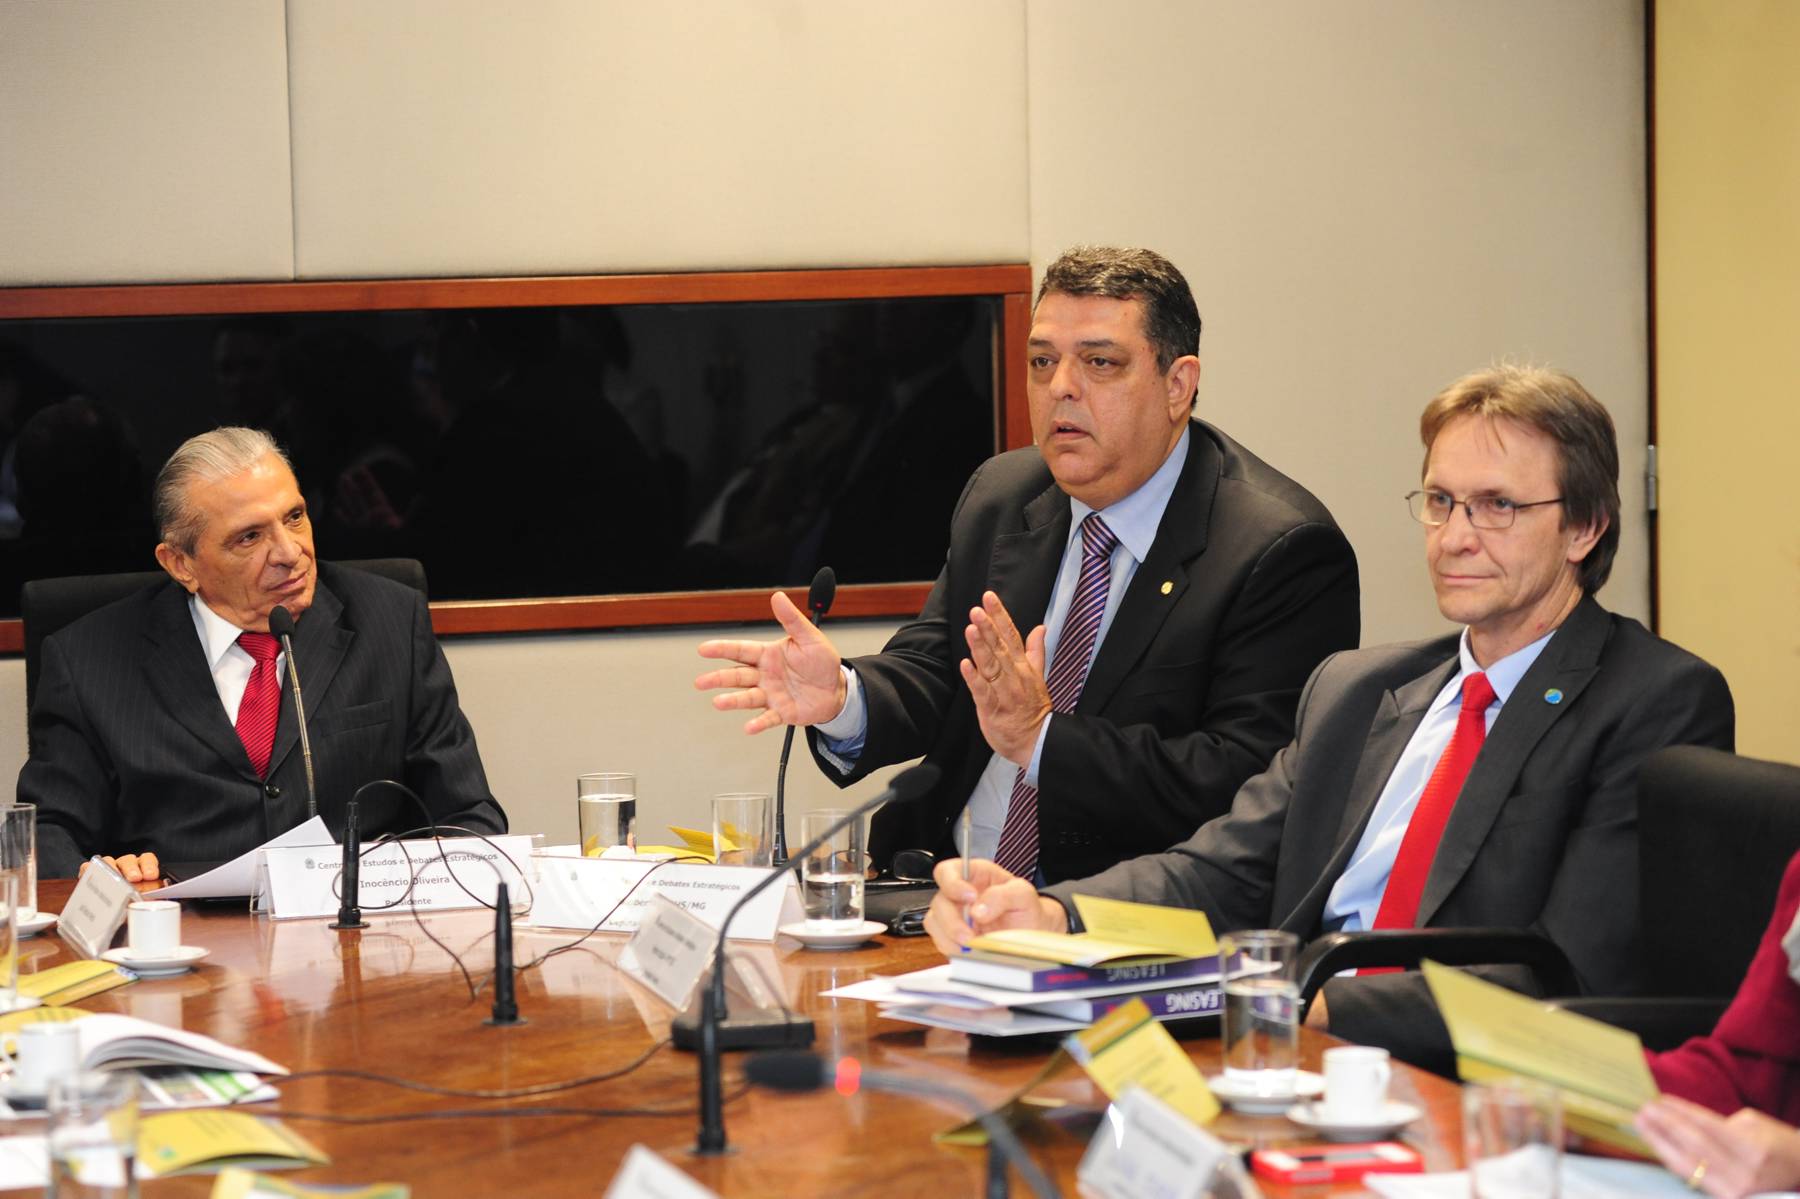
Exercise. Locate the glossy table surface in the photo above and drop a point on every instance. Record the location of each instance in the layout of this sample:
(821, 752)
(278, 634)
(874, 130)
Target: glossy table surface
(392, 1001)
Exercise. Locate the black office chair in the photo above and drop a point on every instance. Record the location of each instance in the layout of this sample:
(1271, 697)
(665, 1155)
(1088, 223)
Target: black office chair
(1716, 832)
(46, 605)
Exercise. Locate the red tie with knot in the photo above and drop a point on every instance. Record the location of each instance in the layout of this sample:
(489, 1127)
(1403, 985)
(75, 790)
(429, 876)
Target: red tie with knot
(261, 705)
(1406, 883)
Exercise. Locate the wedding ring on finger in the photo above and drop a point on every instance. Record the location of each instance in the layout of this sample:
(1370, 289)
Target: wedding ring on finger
(1693, 1180)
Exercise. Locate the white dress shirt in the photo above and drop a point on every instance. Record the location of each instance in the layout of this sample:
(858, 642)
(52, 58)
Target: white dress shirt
(1353, 902)
(228, 662)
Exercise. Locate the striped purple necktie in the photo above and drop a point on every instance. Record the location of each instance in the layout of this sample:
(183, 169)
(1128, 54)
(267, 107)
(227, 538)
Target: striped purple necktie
(1018, 850)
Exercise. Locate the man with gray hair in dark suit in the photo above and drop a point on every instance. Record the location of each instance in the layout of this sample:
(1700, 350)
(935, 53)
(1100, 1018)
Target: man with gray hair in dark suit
(162, 729)
(1484, 778)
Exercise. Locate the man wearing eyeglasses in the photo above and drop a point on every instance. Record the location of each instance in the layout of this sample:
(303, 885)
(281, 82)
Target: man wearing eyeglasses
(1484, 778)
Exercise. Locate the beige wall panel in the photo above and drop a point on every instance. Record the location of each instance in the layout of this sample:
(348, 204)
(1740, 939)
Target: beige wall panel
(1370, 199)
(1728, 305)
(567, 136)
(547, 708)
(143, 142)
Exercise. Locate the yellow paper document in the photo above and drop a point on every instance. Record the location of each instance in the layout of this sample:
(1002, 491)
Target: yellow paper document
(699, 842)
(72, 981)
(1600, 1070)
(1119, 933)
(173, 1142)
(1127, 1047)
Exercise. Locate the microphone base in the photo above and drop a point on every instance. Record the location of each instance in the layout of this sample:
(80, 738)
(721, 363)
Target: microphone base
(349, 919)
(497, 1022)
(750, 1028)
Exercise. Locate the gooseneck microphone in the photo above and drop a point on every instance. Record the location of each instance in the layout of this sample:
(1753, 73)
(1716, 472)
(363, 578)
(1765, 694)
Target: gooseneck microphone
(818, 602)
(798, 1070)
(350, 874)
(506, 1003)
(281, 623)
(714, 1029)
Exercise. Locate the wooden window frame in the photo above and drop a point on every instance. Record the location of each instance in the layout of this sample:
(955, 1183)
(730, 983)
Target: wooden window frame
(1011, 283)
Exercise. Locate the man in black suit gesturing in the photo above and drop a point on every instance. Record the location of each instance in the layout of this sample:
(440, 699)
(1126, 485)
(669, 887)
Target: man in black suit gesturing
(1483, 778)
(1124, 618)
(163, 728)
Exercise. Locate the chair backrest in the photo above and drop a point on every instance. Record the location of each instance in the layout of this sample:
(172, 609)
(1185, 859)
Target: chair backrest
(47, 605)
(1717, 832)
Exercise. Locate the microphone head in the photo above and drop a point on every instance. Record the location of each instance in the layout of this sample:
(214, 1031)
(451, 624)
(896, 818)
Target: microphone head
(913, 784)
(281, 621)
(822, 592)
(787, 1070)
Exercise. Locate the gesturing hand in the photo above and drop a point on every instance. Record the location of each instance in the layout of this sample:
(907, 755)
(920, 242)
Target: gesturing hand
(1005, 675)
(794, 680)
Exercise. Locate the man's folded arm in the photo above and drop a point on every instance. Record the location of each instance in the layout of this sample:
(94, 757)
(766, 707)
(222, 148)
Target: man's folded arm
(442, 763)
(65, 776)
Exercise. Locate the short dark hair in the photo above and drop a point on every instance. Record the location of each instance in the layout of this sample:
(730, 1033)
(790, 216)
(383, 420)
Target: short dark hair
(1171, 319)
(1560, 408)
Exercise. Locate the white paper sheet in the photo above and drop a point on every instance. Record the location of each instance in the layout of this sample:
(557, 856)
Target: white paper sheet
(238, 876)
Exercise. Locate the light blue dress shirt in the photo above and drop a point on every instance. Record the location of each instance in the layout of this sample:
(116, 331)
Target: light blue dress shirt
(1353, 902)
(1134, 521)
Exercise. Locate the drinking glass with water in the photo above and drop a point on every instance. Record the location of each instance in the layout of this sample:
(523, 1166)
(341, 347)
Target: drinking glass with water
(1262, 998)
(832, 876)
(93, 1135)
(606, 809)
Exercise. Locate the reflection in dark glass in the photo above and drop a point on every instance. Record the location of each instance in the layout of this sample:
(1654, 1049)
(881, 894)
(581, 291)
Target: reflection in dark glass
(522, 452)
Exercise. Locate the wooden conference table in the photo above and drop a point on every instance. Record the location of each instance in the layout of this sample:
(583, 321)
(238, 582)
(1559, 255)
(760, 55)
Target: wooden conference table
(389, 1001)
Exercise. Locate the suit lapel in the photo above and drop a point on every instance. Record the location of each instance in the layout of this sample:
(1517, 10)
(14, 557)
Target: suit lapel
(1022, 567)
(321, 639)
(177, 674)
(1395, 722)
(1397, 717)
(1180, 539)
(1568, 664)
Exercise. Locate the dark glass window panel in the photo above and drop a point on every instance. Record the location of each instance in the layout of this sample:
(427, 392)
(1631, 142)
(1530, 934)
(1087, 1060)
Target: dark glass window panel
(523, 452)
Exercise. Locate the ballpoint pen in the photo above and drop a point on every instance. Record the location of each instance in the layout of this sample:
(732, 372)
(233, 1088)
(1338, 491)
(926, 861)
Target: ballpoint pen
(967, 824)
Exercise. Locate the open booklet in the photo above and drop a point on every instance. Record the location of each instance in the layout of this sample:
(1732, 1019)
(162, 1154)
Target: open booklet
(109, 1041)
(1599, 1070)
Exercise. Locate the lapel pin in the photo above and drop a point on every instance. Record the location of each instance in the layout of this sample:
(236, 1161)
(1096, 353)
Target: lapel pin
(1553, 696)
(1167, 587)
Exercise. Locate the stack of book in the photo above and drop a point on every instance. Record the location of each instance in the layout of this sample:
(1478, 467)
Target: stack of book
(1020, 982)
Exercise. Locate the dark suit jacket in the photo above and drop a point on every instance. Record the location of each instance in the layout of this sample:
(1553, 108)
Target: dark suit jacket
(1543, 836)
(134, 752)
(1248, 585)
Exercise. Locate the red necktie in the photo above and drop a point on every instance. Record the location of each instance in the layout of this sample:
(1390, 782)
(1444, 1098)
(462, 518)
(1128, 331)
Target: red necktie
(261, 705)
(1400, 901)
(1018, 849)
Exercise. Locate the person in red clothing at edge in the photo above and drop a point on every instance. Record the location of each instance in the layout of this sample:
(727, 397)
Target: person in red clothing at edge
(1731, 1099)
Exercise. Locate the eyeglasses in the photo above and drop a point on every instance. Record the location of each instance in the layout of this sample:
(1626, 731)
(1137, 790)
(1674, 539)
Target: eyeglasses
(1485, 511)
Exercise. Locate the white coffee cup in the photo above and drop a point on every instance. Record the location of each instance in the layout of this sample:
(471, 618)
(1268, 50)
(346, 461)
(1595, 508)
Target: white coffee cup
(154, 927)
(1356, 1081)
(43, 1050)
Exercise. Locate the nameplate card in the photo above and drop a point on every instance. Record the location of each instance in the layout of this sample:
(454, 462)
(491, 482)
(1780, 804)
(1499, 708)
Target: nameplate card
(669, 951)
(1144, 1147)
(398, 877)
(645, 1174)
(613, 894)
(95, 909)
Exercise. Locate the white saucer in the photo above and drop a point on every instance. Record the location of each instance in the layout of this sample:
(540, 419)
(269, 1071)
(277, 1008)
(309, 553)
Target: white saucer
(1307, 1085)
(848, 938)
(37, 924)
(18, 1098)
(159, 965)
(1372, 1126)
